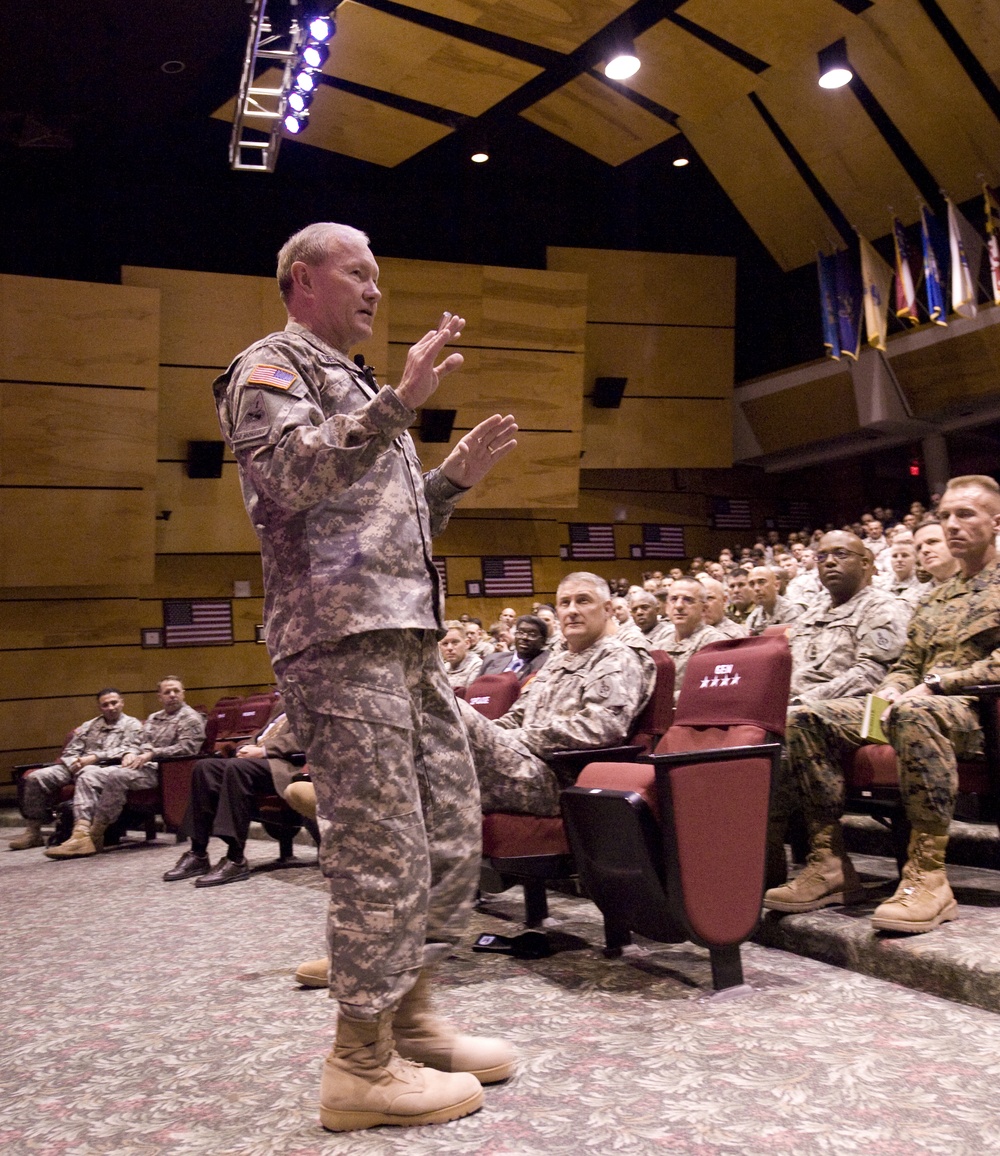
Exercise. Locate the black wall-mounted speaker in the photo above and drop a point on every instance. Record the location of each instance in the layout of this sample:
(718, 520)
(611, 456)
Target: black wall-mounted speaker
(608, 392)
(436, 424)
(205, 459)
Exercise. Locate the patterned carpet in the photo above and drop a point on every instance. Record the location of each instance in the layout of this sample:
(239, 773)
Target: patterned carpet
(146, 1018)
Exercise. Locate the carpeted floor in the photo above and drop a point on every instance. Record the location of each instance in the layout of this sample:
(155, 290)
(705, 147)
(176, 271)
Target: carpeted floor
(150, 1018)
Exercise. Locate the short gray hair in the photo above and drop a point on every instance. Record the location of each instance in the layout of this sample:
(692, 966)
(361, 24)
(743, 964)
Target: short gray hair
(313, 245)
(601, 588)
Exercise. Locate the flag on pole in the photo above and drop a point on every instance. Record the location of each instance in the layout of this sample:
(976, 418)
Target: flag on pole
(876, 279)
(828, 304)
(906, 293)
(849, 294)
(966, 252)
(993, 238)
(935, 263)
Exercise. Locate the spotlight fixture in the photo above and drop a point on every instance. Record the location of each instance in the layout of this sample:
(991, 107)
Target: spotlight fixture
(299, 102)
(315, 55)
(680, 162)
(321, 28)
(623, 64)
(294, 123)
(834, 67)
(305, 81)
(479, 158)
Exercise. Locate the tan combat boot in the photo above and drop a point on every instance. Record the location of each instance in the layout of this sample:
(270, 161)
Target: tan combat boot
(923, 899)
(366, 1084)
(422, 1037)
(32, 837)
(78, 845)
(315, 973)
(828, 877)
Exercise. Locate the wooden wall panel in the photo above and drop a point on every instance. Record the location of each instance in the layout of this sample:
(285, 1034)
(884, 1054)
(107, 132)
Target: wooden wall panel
(206, 514)
(942, 375)
(662, 361)
(63, 537)
(77, 332)
(205, 575)
(804, 413)
(472, 536)
(657, 432)
(56, 435)
(187, 411)
(533, 309)
(37, 622)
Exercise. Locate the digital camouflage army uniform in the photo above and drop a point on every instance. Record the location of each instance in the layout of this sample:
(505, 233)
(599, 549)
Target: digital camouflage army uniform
(758, 620)
(955, 632)
(575, 702)
(681, 649)
(333, 486)
(109, 742)
(662, 632)
(100, 791)
(730, 628)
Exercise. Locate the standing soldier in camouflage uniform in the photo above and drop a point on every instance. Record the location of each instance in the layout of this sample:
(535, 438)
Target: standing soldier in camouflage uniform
(333, 486)
(953, 641)
(99, 741)
(100, 792)
(585, 696)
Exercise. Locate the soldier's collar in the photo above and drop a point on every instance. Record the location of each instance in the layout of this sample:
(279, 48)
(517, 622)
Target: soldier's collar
(320, 345)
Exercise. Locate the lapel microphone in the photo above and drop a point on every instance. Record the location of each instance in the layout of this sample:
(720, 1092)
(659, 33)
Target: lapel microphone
(369, 373)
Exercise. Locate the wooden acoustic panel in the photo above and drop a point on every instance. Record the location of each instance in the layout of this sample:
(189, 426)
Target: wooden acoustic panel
(805, 413)
(544, 391)
(928, 95)
(662, 361)
(207, 515)
(477, 536)
(204, 576)
(543, 472)
(62, 435)
(686, 75)
(593, 116)
(978, 23)
(243, 664)
(561, 25)
(641, 288)
(77, 670)
(207, 318)
(840, 144)
(780, 32)
(421, 291)
(68, 537)
(187, 411)
(762, 183)
(942, 375)
(77, 332)
(659, 433)
(39, 623)
(384, 52)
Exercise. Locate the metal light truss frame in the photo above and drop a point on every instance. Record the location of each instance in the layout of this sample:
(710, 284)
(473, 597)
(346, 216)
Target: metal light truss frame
(260, 109)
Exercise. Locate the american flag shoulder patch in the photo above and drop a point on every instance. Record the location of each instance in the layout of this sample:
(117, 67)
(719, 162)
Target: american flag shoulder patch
(272, 375)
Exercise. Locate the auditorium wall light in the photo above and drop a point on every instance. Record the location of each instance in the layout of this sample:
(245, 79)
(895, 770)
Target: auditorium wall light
(834, 67)
(623, 64)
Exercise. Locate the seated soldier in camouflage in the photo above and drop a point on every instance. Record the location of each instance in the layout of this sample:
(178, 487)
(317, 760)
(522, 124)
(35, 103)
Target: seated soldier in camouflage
(100, 792)
(99, 741)
(953, 641)
(585, 696)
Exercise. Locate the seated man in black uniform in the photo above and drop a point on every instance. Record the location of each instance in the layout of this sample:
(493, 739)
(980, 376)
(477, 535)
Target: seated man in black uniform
(221, 803)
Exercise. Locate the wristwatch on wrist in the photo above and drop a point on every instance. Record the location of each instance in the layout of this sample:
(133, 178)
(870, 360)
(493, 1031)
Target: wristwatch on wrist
(933, 683)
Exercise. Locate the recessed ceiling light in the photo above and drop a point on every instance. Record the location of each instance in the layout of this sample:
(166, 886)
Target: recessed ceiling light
(479, 158)
(171, 67)
(834, 67)
(622, 65)
(680, 162)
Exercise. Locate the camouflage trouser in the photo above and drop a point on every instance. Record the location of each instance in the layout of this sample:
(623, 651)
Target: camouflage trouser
(510, 777)
(40, 789)
(926, 733)
(100, 791)
(399, 818)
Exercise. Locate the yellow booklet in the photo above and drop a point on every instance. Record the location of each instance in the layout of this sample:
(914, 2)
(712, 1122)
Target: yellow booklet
(871, 723)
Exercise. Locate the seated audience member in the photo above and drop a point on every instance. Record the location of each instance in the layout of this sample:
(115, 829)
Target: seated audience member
(100, 741)
(805, 587)
(479, 644)
(221, 804)
(100, 790)
(508, 616)
(903, 581)
(460, 664)
(874, 537)
(500, 637)
(585, 696)
(952, 643)
(547, 614)
(619, 609)
(645, 610)
(714, 610)
(741, 601)
(687, 630)
(770, 607)
(933, 554)
(529, 654)
(620, 587)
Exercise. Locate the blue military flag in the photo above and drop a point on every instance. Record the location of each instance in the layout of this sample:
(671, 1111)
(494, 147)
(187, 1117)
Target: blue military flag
(935, 266)
(828, 304)
(849, 298)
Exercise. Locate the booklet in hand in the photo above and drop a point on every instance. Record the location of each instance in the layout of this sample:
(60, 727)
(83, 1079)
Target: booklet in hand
(871, 722)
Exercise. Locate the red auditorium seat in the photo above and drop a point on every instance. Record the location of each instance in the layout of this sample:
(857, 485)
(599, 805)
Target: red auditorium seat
(530, 849)
(673, 847)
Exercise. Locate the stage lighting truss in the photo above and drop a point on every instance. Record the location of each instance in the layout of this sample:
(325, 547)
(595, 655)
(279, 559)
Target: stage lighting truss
(264, 113)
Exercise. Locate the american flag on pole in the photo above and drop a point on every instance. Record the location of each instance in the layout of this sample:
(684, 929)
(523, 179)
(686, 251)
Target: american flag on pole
(731, 514)
(588, 542)
(197, 622)
(993, 239)
(663, 542)
(506, 577)
(441, 567)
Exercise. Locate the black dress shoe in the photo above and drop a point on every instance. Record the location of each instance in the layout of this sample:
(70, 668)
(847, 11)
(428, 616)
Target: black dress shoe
(188, 866)
(225, 871)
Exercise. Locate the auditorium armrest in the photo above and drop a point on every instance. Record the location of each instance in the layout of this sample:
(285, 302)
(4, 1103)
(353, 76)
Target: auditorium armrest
(575, 761)
(715, 755)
